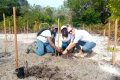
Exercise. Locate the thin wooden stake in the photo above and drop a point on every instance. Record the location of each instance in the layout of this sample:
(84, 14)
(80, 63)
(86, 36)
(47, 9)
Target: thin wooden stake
(9, 28)
(83, 26)
(113, 57)
(5, 39)
(35, 26)
(24, 29)
(27, 30)
(39, 26)
(109, 35)
(90, 29)
(27, 27)
(115, 35)
(58, 34)
(103, 36)
(12, 29)
(15, 37)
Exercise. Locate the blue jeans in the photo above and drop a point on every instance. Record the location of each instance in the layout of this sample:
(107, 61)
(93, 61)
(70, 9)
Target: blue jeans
(86, 46)
(64, 45)
(42, 48)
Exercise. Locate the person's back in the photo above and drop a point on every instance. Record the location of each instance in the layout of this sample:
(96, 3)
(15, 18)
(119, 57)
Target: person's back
(43, 35)
(83, 41)
(44, 43)
(66, 41)
(83, 35)
(66, 37)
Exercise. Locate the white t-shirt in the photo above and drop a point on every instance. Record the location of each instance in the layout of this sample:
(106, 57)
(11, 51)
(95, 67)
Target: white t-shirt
(82, 35)
(46, 33)
(68, 39)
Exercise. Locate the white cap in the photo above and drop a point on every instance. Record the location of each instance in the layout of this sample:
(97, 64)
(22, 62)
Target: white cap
(63, 27)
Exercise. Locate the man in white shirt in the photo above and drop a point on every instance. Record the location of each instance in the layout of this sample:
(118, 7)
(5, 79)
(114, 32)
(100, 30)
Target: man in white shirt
(83, 41)
(66, 37)
(45, 43)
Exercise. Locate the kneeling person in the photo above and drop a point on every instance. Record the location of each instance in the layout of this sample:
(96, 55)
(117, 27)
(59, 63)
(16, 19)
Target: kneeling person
(45, 43)
(83, 41)
(66, 37)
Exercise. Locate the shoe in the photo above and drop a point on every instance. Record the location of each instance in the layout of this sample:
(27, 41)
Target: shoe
(79, 55)
(31, 48)
(28, 51)
(91, 54)
(65, 56)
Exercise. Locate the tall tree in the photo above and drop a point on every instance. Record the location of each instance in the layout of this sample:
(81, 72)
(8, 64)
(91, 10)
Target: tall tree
(114, 6)
(6, 6)
(85, 11)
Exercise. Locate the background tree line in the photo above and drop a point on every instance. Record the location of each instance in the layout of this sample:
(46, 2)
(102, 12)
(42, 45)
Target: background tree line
(75, 12)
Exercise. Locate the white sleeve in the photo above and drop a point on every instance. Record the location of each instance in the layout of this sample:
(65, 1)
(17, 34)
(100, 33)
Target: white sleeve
(72, 38)
(77, 38)
(46, 33)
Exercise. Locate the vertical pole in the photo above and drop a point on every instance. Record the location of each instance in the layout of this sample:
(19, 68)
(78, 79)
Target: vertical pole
(12, 30)
(109, 35)
(58, 33)
(24, 29)
(34, 27)
(113, 57)
(39, 26)
(15, 36)
(27, 30)
(103, 36)
(90, 29)
(27, 27)
(115, 35)
(9, 27)
(83, 26)
(5, 39)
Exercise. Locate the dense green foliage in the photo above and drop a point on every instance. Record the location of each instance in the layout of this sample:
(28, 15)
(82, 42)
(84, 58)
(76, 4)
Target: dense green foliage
(114, 6)
(85, 11)
(7, 5)
(76, 12)
(35, 15)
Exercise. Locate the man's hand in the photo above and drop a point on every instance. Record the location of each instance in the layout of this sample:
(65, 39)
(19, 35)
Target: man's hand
(69, 47)
(58, 50)
(65, 52)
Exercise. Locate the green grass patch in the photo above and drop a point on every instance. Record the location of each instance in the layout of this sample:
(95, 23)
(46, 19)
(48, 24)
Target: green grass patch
(112, 49)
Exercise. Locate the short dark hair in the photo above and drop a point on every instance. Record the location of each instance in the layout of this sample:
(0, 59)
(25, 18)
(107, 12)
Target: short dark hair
(64, 32)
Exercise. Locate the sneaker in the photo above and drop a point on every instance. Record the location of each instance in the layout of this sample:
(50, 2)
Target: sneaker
(91, 54)
(79, 55)
(31, 48)
(28, 51)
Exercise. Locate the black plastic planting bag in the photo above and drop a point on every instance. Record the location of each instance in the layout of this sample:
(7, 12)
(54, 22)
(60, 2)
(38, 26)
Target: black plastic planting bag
(20, 72)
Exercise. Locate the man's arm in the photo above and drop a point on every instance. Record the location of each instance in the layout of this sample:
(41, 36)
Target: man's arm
(52, 44)
(70, 46)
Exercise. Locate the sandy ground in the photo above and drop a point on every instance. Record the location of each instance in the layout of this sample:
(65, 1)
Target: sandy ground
(49, 67)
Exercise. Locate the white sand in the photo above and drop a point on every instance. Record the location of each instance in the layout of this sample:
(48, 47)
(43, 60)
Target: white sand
(96, 68)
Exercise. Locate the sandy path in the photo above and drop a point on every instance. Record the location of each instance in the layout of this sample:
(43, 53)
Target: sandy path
(96, 68)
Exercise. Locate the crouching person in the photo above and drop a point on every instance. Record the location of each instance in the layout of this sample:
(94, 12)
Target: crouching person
(66, 37)
(45, 42)
(83, 41)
